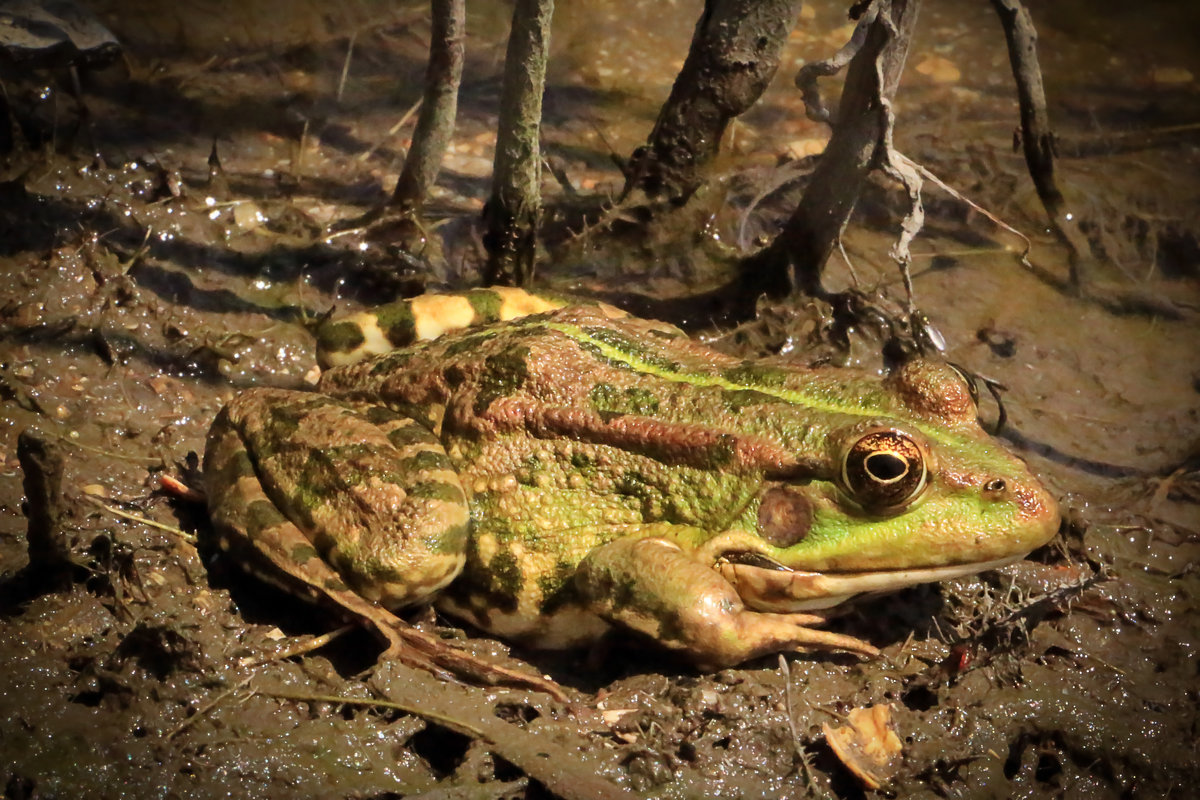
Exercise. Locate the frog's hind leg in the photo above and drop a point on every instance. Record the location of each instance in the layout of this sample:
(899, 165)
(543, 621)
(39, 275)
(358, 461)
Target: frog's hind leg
(267, 543)
(367, 491)
(379, 480)
(653, 586)
(294, 566)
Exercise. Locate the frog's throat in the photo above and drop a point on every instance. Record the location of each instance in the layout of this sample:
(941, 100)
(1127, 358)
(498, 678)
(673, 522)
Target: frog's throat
(789, 591)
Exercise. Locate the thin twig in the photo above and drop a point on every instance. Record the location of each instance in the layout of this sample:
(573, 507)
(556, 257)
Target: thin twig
(392, 131)
(849, 264)
(341, 87)
(142, 460)
(792, 171)
(805, 767)
(301, 648)
(1036, 136)
(785, 668)
(806, 78)
(209, 706)
(96, 501)
(929, 176)
(901, 169)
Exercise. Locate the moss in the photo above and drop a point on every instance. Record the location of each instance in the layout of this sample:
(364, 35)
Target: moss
(504, 374)
(397, 323)
(339, 337)
(609, 400)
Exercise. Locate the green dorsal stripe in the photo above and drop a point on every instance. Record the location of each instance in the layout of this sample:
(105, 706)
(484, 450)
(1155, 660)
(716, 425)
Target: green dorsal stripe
(700, 379)
(639, 364)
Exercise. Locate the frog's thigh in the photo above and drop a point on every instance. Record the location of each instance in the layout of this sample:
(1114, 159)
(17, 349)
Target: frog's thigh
(363, 490)
(654, 587)
(246, 517)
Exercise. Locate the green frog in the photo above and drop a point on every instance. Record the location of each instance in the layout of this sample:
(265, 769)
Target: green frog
(548, 472)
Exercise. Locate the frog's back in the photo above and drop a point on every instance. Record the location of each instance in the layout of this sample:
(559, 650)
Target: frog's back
(556, 357)
(591, 361)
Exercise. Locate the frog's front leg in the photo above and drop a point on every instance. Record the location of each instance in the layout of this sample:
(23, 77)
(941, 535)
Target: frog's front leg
(353, 503)
(655, 587)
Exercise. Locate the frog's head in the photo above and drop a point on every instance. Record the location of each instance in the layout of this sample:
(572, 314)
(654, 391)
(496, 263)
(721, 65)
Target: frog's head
(921, 494)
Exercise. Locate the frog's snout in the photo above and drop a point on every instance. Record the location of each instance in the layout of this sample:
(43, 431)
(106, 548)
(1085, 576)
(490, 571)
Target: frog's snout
(1037, 510)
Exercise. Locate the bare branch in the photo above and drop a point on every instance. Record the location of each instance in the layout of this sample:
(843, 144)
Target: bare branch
(806, 78)
(513, 211)
(435, 125)
(797, 256)
(1036, 136)
(733, 56)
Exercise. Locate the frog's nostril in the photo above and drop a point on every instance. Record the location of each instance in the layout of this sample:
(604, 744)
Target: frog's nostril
(995, 488)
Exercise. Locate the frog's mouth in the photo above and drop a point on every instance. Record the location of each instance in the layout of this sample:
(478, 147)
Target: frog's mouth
(782, 590)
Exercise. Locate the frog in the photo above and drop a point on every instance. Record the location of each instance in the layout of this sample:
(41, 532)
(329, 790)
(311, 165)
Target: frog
(550, 471)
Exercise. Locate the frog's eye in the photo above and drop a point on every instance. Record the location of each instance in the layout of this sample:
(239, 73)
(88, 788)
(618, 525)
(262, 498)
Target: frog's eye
(885, 470)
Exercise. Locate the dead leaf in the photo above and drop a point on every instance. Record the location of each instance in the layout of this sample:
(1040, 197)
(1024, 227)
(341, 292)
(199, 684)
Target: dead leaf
(867, 745)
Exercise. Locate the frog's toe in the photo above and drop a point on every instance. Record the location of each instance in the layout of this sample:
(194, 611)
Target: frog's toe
(804, 638)
(751, 634)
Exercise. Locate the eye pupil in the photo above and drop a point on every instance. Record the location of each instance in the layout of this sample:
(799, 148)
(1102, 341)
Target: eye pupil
(886, 467)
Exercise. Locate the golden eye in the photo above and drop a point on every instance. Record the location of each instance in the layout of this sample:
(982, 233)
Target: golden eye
(885, 470)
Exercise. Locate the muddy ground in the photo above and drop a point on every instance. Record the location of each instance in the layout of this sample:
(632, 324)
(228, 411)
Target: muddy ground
(138, 294)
